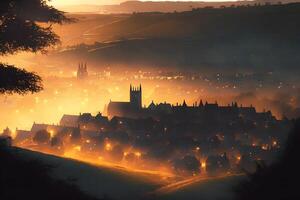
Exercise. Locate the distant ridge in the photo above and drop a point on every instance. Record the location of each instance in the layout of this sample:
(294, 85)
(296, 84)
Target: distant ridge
(245, 36)
(158, 6)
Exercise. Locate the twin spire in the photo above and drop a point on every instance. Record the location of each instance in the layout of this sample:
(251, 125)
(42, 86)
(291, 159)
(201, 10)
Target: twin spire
(82, 71)
(82, 66)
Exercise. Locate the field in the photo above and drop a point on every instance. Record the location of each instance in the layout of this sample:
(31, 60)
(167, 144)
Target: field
(103, 181)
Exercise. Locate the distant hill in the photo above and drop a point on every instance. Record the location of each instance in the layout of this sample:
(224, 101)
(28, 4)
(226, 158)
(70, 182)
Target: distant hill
(159, 6)
(247, 36)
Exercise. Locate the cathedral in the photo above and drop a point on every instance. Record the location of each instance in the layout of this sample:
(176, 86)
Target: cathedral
(82, 72)
(197, 112)
(131, 108)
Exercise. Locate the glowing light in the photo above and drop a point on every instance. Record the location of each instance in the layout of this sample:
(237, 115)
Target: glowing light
(88, 141)
(274, 143)
(138, 154)
(13, 134)
(77, 148)
(108, 147)
(51, 133)
(203, 164)
(264, 147)
(197, 148)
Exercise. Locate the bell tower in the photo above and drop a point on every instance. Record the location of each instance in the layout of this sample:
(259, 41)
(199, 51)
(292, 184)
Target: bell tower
(136, 96)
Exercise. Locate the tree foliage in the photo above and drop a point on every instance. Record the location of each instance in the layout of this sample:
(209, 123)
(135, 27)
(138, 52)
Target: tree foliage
(279, 180)
(25, 25)
(15, 80)
(42, 136)
(20, 29)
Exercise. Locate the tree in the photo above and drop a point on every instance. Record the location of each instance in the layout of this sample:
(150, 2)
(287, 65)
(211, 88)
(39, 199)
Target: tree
(42, 137)
(279, 180)
(25, 25)
(15, 80)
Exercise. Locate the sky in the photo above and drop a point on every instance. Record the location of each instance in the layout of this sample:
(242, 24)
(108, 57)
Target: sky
(102, 2)
(73, 2)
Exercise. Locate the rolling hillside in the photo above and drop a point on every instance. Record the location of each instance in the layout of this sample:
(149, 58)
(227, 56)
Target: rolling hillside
(255, 37)
(97, 181)
(101, 182)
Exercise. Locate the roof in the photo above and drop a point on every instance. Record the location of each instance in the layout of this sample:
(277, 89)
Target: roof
(118, 108)
(69, 120)
(37, 127)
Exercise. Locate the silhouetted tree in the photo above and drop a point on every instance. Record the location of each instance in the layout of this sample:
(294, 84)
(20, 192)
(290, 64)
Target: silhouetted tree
(280, 180)
(41, 136)
(15, 80)
(187, 165)
(20, 31)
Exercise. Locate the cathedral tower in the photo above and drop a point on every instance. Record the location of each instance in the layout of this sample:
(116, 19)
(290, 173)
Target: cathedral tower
(136, 96)
(82, 72)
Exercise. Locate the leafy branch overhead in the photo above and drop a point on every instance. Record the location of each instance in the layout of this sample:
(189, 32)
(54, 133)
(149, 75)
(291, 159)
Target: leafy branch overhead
(15, 80)
(21, 29)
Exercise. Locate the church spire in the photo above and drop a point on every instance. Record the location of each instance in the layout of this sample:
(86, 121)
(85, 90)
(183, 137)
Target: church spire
(201, 103)
(184, 104)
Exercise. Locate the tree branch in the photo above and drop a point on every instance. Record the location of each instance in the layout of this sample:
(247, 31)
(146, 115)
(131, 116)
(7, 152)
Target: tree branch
(20, 81)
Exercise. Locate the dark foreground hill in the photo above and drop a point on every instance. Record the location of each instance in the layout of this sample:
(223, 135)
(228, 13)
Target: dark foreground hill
(32, 175)
(21, 179)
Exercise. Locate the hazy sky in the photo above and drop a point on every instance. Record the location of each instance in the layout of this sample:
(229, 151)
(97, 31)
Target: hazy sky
(72, 2)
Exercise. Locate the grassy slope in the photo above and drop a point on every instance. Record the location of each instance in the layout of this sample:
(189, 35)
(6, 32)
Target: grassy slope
(94, 180)
(221, 188)
(116, 184)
